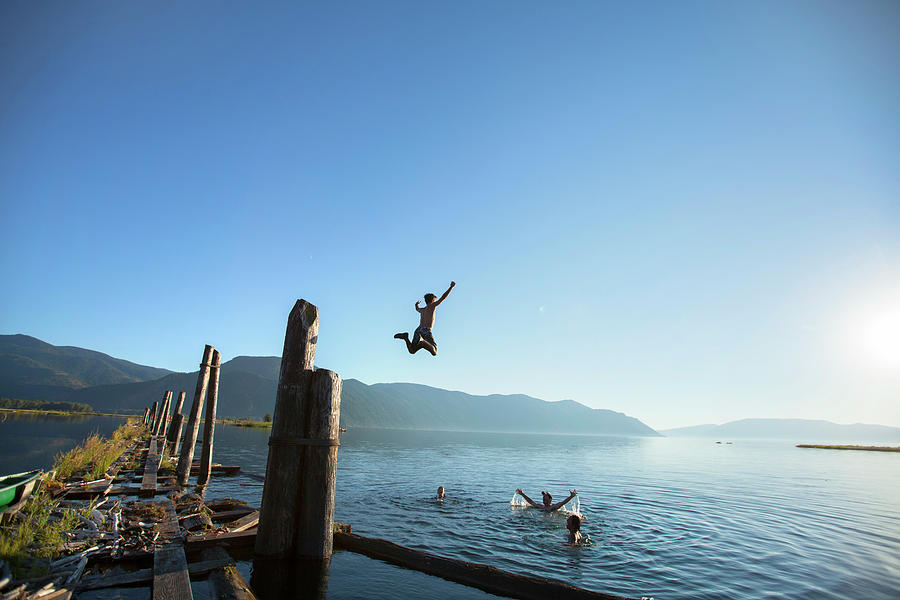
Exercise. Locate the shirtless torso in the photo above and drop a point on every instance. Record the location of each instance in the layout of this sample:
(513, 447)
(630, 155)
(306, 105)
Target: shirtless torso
(426, 314)
(422, 337)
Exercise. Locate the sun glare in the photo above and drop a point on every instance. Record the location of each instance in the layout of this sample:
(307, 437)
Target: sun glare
(878, 338)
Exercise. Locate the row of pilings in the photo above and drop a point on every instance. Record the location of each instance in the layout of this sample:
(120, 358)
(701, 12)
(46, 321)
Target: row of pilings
(294, 542)
(164, 423)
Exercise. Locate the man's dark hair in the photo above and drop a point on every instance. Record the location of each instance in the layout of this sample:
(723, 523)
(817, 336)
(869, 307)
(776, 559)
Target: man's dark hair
(573, 523)
(429, 298)
(549, 496)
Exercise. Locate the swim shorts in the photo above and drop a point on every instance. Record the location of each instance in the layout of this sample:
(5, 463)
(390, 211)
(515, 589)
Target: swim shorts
(424, 333)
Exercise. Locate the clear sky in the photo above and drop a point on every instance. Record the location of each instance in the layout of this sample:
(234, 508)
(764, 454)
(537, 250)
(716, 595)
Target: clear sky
(685, 211)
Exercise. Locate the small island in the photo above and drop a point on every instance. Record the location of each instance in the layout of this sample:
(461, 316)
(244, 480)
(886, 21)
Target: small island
(871, 448)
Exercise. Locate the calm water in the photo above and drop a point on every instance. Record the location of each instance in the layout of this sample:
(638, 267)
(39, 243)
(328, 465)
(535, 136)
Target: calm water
(30, 442)
(669, 518)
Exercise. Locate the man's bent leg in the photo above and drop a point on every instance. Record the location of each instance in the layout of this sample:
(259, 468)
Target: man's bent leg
(428, 346)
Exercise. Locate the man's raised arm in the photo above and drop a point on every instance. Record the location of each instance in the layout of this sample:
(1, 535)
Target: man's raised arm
(559, 505)
(527, 499)
(445, 294)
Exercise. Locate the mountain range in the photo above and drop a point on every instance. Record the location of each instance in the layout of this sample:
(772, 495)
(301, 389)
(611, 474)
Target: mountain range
(808, 430)
(32, 369)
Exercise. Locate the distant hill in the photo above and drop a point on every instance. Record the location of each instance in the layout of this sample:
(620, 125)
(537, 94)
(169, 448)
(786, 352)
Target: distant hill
(407, 405)
(31, 369)
(799, 430)
(384, 405)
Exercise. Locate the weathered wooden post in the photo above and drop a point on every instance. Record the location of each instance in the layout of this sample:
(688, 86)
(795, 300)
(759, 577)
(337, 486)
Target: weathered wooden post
(153, 414)
(190, 438)
(180, 403)
(173, 435)
(146, 412)
(297, 509)
(163, 414)
(209, 427)
(166, 415)
(316, 514)
(278, 510)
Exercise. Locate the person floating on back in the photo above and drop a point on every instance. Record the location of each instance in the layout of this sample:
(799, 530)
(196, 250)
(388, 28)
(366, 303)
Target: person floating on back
(547, 498)
(422, 337)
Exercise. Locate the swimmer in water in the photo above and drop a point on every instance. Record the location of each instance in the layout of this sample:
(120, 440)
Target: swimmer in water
(573, 524)
(547, 506)
(440, 493)
(422, 337)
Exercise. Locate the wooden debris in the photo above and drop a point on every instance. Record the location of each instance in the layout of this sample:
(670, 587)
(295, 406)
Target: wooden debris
(485, 577)
(197, 569)
(226, 582)
(244, 523)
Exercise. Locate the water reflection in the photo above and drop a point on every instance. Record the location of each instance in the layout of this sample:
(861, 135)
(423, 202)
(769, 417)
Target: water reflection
(29, 441)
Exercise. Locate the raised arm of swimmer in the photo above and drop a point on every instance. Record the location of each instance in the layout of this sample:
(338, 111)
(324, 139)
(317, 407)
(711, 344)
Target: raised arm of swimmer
(527, 499)
(547, 505)
(558, 505)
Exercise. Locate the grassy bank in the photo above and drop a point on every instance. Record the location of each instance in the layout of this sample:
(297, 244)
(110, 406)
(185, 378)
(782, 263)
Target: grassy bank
(870, 448)
(62, 413)
(39, 535)
(39, 531)
(94, 456)
(246, 423)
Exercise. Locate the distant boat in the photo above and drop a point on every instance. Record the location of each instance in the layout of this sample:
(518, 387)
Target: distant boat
(15, 488)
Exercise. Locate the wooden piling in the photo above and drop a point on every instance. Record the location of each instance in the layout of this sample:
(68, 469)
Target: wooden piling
(144, 420)
(153, 413)
(163, 419)
(210, 426)
(316, 511)
(175, 430)
(278, 510)
(167, 415)
(190, 439)
(173, 433)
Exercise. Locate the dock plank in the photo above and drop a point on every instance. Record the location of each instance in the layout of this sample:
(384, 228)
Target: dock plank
(240, 539)
(171, 580)
(151, 466)
(244, 523)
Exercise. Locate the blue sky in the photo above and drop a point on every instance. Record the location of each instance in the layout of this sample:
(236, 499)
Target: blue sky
(687, 212)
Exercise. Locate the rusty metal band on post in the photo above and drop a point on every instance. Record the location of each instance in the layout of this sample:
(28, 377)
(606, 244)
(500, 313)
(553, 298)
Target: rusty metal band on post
(292, 441)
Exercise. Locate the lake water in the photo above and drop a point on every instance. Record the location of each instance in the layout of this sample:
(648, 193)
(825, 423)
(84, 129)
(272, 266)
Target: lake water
(666, 517)
(29, 442)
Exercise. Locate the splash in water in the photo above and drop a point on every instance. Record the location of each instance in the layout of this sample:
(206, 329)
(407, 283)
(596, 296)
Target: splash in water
(573, 506)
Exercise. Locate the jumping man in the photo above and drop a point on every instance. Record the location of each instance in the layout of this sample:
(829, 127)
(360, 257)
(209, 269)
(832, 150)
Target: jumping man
(422, 337)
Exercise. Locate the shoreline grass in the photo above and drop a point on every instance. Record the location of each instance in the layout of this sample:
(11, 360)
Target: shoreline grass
(246, 423)
(96, 454)
(63, 413)
(846, 447)
(38, 535)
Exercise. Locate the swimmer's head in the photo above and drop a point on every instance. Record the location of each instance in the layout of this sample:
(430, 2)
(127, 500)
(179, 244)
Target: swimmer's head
(429, 298)
(548, 499)
(573, 523)
(440, 492)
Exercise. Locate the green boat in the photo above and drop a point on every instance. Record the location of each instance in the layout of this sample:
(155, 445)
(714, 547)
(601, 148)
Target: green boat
(14, 488)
